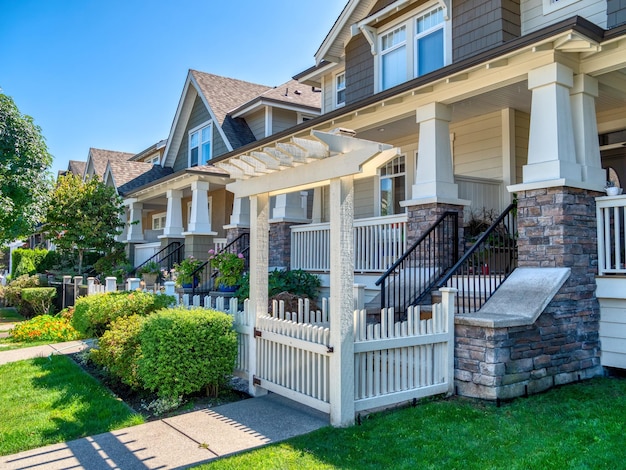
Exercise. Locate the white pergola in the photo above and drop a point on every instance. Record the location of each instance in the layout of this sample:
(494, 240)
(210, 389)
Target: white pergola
(303, 163)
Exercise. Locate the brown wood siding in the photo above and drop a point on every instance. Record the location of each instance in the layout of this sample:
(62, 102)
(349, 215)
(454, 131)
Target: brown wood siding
(359, 69)
(479, 25)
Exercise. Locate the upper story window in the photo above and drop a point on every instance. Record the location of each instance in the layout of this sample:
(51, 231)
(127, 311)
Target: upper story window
(340, 89)
(154, 160)
(412, 48)
(200, 145)
(392, 186)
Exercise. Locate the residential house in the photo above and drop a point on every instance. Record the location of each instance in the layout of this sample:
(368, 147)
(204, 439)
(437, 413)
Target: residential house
(184, 201)
(437, 106)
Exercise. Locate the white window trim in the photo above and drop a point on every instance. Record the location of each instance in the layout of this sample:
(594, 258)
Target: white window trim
(305, 117)
(379, 177)
(198, 129)
(160, 216)
(156, 160)
(409, 20)
(336, 90)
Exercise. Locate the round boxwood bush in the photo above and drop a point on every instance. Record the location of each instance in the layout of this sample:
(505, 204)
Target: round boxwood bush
(119, 350)
(186, 351)
(93, 314)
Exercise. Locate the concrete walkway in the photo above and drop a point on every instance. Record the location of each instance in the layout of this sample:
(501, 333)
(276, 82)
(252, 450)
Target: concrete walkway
(172, 443)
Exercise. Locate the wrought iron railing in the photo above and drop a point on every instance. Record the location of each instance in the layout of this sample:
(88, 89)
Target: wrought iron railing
(483, 267)
(409, 280)
(204, 276)
(166, 257)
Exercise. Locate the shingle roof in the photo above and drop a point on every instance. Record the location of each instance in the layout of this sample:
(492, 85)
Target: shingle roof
(296, 94)
(76, 167)
(100, 157)
(132, 175)
(225, 94)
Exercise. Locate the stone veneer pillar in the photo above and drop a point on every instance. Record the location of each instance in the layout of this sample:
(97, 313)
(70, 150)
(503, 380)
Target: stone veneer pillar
(557, 228)
(421, 217)
(280, 244)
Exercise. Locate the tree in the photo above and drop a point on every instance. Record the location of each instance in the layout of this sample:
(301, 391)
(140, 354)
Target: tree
(84, 215)
(24, 178)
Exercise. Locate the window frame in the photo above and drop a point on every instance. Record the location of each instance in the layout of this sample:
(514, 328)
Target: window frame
(337, 89)
(198, 130)
(392, 177)
(161, 217)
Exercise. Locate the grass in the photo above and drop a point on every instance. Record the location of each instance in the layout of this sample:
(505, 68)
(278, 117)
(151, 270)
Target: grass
(45, 401)
(579, 426)
(10, 315)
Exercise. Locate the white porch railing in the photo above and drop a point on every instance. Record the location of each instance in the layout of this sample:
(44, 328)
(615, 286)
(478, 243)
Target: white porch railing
(611, 216)
(378, 242)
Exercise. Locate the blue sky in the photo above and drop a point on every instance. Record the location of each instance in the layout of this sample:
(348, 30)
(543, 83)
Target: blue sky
(109, 73)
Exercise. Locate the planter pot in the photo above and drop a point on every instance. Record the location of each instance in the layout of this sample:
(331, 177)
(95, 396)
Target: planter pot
(224, 288)
(187, 285)
(614, 191)
(149, 278)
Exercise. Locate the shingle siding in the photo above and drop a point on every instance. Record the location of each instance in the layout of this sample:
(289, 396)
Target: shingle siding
(479, 25)
(616, 13)
(359, 69)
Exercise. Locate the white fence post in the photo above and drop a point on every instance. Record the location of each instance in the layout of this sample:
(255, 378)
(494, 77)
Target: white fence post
(90, 283)
(170, 288)
(111, 284)
(132, 283)
(447, 303)
(77, 281)
(359, 296)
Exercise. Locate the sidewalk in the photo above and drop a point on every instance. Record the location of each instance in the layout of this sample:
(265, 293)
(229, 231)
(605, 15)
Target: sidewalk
(172, 443)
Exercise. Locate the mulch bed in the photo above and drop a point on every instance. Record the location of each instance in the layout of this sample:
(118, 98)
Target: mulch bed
(143, 402)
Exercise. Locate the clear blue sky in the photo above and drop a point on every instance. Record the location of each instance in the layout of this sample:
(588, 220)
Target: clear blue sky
(109, 73)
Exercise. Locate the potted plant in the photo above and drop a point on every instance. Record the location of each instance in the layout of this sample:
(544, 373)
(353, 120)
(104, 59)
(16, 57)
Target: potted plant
(150, 272)
(229, 267)
(611, 189)
(185, 270)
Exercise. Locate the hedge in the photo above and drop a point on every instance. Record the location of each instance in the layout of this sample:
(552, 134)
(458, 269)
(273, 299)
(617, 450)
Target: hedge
(39, 298)
(26, 261)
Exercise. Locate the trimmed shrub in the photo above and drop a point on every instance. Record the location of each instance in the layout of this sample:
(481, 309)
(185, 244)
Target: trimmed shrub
(26, 261)
(13, 294)
(185, 351)
(118, 349)
(93, 314)
(44, 328)
(39, 298)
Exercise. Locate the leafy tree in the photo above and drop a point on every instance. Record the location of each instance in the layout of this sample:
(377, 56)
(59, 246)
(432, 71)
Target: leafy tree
(84, 215)
(24, 178)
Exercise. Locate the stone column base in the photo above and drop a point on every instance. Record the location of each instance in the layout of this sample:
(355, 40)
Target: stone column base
(198, 246)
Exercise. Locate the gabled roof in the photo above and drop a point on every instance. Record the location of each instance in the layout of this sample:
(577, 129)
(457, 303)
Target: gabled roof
(290, 95)
(97, 160)
(129, 175)
(220, 95)
(76, 167)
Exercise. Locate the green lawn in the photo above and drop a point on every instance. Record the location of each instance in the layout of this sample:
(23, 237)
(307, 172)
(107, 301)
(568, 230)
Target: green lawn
(9, 314)
(579, 426)
(44, 401)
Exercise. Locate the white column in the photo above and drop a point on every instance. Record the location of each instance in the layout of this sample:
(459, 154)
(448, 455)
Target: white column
(122, 237)
(259, 263)
(289, 207)
(200, 222)
(111, 284)
(434, 176)
(135, 224)
(551, 149)
(342, 301)
(316, 216)
(241, 213)
(174, 217)
(583, 101)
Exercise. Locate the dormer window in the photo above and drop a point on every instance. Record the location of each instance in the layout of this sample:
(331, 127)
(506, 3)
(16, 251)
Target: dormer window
(412, 48)
(200, 145)
(340, 89)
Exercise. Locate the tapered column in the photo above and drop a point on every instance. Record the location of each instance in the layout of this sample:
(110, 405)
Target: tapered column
(583, 102)
(174, 218)
(259, 250)
(290, 207)
(200, 222)
(342, 301)
(551, 148)
(241, 213)
(135, 227)
(434, 176)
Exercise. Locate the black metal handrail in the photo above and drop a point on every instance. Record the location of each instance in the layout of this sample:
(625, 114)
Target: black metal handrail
(166, 257)
(204, 276)
(414, 274)
(483, 268)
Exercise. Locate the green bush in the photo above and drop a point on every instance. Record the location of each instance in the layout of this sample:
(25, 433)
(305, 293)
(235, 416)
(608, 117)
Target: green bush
(118, 349)
(296, 281)
(39, 298)
(12, 294)
(93, 314)
(44, 328)
(26, 261)
(185, 351)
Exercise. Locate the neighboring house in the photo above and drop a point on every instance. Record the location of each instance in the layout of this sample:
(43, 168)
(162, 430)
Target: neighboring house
(436, 106)
(190, 205)
(97, 160)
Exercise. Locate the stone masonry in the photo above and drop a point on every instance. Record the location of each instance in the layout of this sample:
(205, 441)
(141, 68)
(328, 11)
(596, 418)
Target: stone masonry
(421, 218)
(557, 228)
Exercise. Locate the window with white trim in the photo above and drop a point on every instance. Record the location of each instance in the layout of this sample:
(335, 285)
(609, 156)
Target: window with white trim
(340, 89)
(154, 160)
(392, 186)
(412, 48)
(200, 145)
(158, 221)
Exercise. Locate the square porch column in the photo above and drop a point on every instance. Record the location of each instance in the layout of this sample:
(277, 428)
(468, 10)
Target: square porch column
(135, 227)
(174, 217)
(200, 222)
(259, 251)
(342, 301)
(551, 148)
